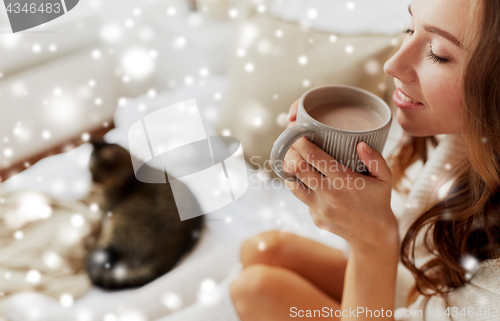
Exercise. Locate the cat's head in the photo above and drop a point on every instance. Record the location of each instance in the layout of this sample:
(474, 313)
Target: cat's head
(110, 164)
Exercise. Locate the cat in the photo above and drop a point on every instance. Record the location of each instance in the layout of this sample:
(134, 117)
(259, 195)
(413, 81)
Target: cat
(141, 235)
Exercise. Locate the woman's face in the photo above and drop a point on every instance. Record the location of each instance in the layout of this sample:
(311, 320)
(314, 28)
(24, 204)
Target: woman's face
(427, 68)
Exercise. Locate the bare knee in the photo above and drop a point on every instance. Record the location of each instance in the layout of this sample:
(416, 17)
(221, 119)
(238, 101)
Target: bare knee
(266, 248)
(252, 288)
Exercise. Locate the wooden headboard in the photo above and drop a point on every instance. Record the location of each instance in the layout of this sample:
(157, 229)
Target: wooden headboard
(63, 147)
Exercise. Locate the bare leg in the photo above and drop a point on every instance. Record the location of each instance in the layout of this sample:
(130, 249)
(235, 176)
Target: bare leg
(264, 292)
(321, 265)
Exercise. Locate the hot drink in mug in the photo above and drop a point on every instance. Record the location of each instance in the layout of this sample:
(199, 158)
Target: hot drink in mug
(336, 118)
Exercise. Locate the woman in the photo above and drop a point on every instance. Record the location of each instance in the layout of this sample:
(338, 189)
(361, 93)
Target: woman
(448, 68)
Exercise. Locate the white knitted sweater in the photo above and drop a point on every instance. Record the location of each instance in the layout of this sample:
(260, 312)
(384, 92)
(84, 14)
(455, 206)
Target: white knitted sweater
(477, 300)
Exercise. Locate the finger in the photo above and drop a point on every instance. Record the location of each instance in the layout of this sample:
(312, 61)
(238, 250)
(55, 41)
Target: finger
(319, 159)
(301, 191)
(298, 166)
(374, 162)
(292, 113)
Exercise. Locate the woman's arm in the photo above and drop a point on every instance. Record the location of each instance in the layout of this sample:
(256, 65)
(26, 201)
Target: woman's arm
(370, 283)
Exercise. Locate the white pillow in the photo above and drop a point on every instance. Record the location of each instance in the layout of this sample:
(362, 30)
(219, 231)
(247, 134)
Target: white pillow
(345, 17)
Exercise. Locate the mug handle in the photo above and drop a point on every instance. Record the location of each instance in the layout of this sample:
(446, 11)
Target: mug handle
(283, 144)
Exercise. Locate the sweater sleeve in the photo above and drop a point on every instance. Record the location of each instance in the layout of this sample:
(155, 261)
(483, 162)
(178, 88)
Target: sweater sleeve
(477, 300)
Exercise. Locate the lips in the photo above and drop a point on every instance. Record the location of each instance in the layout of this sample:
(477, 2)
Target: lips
(404, 101)
(406, 98)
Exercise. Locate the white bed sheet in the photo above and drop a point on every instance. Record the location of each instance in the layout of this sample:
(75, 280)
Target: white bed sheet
(261, 208)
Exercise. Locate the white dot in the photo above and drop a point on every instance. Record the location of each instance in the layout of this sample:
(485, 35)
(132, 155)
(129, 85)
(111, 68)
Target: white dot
(350, 5)
(110, 317)
(204, 72)
(33, 276)
(469, 262)
(137, 12)
(484, 139)
(303, 60)
(188, 80)
(172, 301)
(96, 54)
(240, 52)
(249, 67)
(276, 96)
(312, 13)
(208, 285)
(447, 166)
(85, 137)
(129, 23)
(217, 96)
(333, 38)
(306, 83)
(233, 13)
(262, 246)
(433, 177)
(57, 92)
(228, 219)
(18, 235)
(151, 93)
(94, 207)
(98, 101)
(53, 48)
(46, 134)
(226, 132)
(171, 11)
(153, 53)
(92, 83)
(349, 49)
(77, 220)
(372, 67)
(7, 152)
(394, 42)
(257, 121)
(36, 48)
(66, 300)
(261, 8)
(180, 42)
(279, 33)
(282, 119)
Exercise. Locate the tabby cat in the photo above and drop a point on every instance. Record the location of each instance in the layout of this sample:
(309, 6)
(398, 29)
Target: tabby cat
(141, 236)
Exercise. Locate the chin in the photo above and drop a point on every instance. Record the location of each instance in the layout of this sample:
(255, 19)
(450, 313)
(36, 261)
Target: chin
(410, 127)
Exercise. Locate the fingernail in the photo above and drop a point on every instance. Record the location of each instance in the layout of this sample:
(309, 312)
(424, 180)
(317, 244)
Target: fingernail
(368, 148)
(289, 116)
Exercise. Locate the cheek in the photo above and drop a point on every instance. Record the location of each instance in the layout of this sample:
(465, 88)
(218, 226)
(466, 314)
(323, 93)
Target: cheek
(444, 98)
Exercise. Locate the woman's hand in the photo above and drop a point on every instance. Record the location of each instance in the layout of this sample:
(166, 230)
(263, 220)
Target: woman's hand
(342, 201)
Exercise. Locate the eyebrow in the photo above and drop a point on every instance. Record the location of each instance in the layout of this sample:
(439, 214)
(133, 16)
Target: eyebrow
(439, 32)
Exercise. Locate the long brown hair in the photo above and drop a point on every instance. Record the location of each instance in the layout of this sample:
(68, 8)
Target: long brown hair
(474, 198)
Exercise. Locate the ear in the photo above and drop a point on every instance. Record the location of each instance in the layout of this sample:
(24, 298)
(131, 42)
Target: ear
(97, 143)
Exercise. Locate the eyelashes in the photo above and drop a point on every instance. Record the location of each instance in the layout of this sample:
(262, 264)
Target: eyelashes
(430, 55)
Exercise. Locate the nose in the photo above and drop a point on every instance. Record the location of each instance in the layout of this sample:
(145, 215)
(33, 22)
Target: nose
(402, 64)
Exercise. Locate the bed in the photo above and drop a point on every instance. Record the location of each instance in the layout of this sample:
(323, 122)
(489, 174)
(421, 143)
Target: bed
(266, 205)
